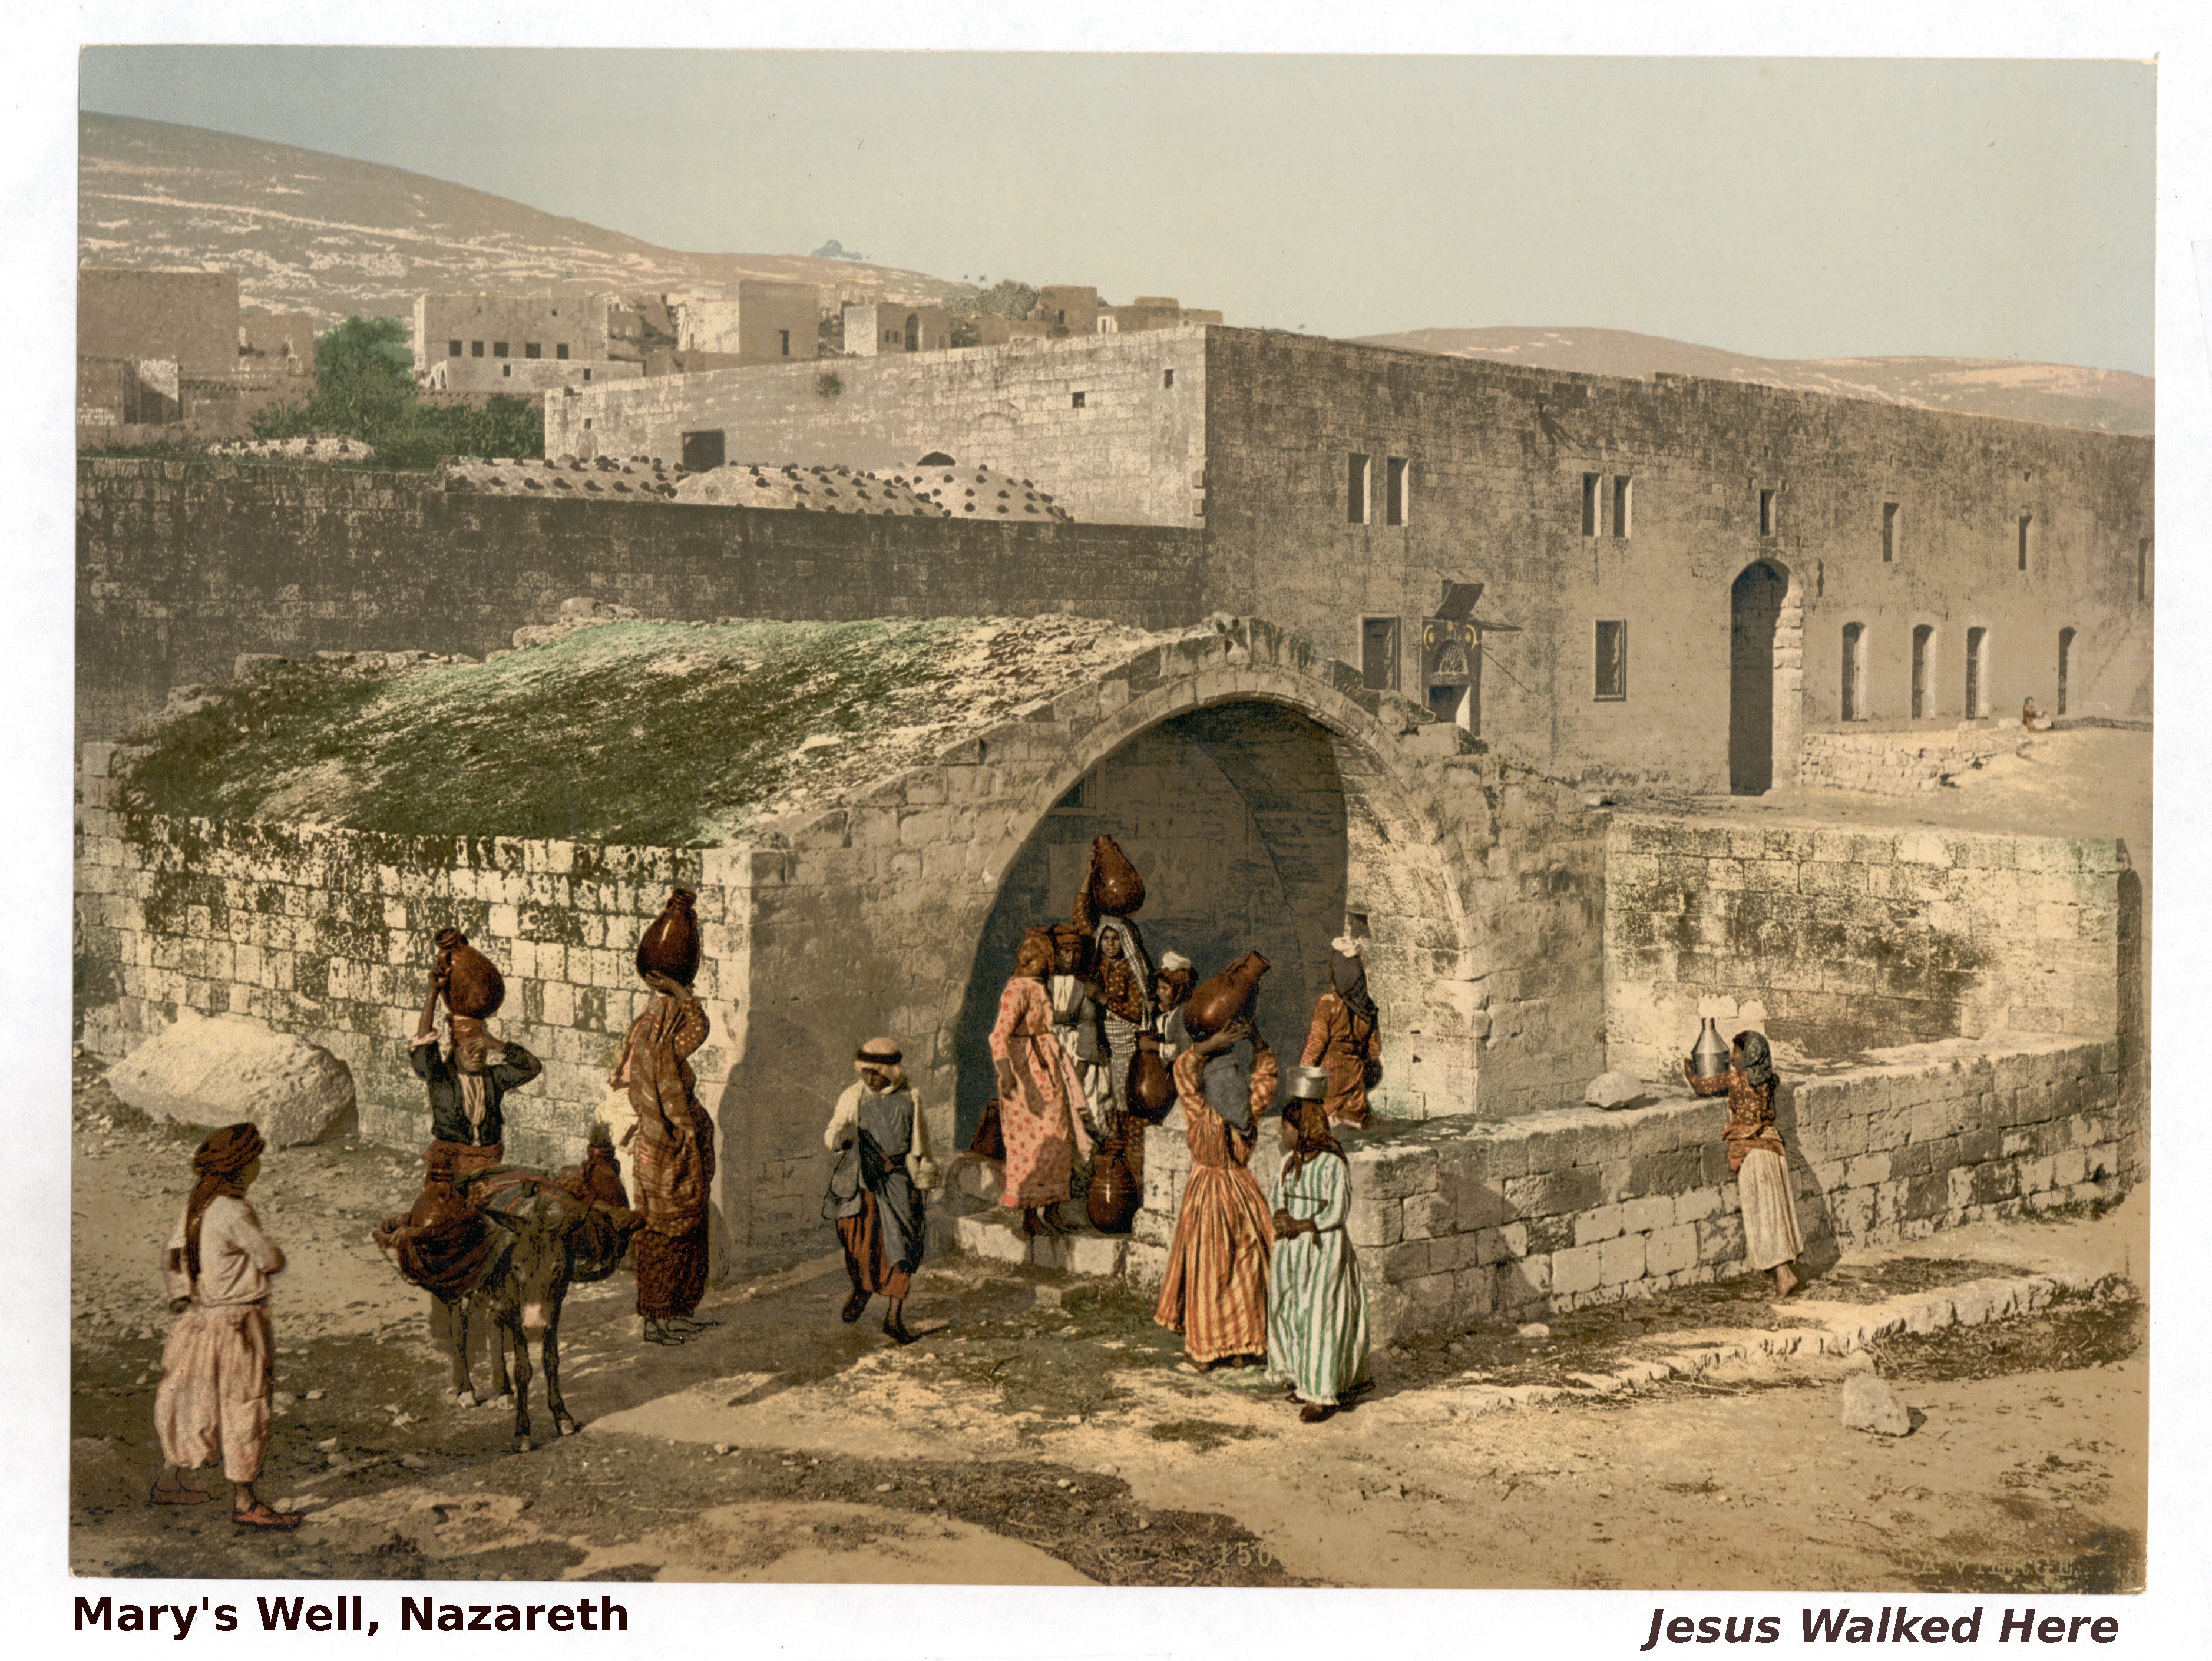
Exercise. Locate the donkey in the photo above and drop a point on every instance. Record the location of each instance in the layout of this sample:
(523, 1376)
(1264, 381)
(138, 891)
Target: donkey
(544, 1240)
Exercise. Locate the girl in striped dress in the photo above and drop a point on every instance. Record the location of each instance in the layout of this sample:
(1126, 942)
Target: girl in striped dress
(1316, 1310)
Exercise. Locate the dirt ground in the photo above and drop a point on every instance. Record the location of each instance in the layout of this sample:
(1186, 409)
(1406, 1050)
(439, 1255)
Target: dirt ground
(1043, 1431)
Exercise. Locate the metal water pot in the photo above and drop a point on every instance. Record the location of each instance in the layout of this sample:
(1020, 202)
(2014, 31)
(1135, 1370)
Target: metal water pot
(1709, 1058)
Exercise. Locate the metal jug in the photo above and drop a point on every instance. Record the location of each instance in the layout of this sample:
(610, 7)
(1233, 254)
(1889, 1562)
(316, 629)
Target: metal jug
(1710, 1057)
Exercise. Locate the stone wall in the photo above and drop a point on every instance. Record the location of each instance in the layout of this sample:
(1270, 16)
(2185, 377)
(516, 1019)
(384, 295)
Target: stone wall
(1112, 426)
(1458, 1221)
(181, 566)
(1903, 763)
(188, 316)
(327, 933)
(1498, 456)
(1860, 939)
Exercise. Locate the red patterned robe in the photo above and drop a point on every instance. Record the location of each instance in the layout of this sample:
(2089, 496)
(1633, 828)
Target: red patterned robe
(1216, 1290)
(1041, 1122)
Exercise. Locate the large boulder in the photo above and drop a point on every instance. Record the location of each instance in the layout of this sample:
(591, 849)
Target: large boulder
(220, 1070)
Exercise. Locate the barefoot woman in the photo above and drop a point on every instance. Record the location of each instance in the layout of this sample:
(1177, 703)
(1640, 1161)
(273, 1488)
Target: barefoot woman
(1771, 1239)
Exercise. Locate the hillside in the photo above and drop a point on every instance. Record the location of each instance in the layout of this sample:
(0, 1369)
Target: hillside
(2104, 400)
(313, 232)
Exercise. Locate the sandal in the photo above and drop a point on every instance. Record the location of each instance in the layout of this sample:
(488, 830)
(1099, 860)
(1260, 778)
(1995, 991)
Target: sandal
(898, 1334)
(260, 1516)
(178, 1496)
(855, 1307)
(1314, 1412)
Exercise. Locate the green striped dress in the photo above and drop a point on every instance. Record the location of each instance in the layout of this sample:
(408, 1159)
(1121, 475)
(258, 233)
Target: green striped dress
(1316, 1312)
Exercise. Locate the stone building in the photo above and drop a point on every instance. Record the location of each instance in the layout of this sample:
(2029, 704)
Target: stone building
(1150, 311)
(282, 342)
(189, 319)
(762, 323)
(1680, 578)
(473, 343)
(874, 329)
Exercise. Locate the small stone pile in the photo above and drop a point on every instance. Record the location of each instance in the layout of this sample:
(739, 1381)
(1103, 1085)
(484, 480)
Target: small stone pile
(981, 493)
(805, 489)
(311, 446)
(602, 479)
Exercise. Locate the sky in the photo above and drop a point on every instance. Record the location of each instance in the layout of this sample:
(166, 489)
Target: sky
(1794, 207)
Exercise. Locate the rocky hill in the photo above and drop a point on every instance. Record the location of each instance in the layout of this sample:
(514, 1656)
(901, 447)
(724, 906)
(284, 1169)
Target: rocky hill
(2104, 400)
(313, 232)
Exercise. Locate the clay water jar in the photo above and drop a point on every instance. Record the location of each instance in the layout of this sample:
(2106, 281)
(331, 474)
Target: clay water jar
(1116, 889)
(473, 986)
(670, 944)
(1221, 998)
(1116, 1190)
(1151, 1087)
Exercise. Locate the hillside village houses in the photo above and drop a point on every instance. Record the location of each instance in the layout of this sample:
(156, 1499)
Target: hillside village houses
(159, 348)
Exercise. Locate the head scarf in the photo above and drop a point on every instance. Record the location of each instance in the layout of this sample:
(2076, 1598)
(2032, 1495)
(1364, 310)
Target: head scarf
(884, 1055)
(1315, 1138)
(216, 1165)
(1347, 973)
(1758, 1059)
(1036, 943)
(1229, 1090)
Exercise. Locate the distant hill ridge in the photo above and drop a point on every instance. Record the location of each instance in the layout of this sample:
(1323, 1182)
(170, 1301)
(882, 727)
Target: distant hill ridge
(2104, 400)
(307, 232)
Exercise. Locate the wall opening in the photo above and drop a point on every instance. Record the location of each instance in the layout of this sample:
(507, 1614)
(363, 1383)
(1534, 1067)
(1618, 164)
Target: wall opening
(912, 332)
(1978, 679)
(531, 348)
(1589, 503)
(452, 349)
(1378, 653)
(1852, 700)
(1355, 489)
(1394, 479)
(1889, 533)
(1754, 618)
(2065, 664)
(1077, 400)
(1766, 512)
(2026, 524)
(703, 451)
(561, 352)
(1923, 634)
(2142, 568)
(476, 348)
(1454, 683)
(1623, 491)
(783, 339)
(498, 349)
(1611, 655)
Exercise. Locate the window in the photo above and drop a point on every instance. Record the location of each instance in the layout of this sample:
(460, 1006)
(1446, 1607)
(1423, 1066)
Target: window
(1978, 680)
(1378, 653)
(2065, 662)
(587, 374)
(498, 349)
(1611, 659)
(1853, 699)
(1889, 533)
(452, 349)
(784, 336)
(1394, 480)
(561, 351)
(476, 348)
(1167, 377)
(1355, 491)
(531, 348)
(1766, 512)
(1077, 400)
(1589, 503)
(1922, 635)
(2142, 568)
(506, 369)
(1624, 489)
(703, 451)
(2027, 520)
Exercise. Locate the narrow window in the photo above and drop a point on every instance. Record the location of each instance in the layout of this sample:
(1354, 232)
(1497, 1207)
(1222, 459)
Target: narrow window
(531, 350)
(2065, 662)
(1589, 503)
(784, 336)
(1889, 533)
(1922, 633)
(1611, 659)
(1623, 490)
(1766, 512)
(1078, 403)
(498, 349)
(703, 451)
(1167, 377)
(587, 374)
(1977, 672)
(2026, 520)
(1378, 653)
(1394, 490)
(452, 349)
(506, 369)
(1355, 496)
(2142, 568)
(561, 351)
(476, 348)
(1853, 671)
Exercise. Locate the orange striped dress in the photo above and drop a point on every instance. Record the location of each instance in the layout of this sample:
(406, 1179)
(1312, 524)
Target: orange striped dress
(1216, 1290)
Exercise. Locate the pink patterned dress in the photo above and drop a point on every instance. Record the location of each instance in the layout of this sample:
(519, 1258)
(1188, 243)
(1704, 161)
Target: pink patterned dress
(1041, 1124)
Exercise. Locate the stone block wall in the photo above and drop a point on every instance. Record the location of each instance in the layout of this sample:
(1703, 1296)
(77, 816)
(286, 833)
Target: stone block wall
(327, 934)
(1902, 763)
(1457, 1221)
(1858, 939)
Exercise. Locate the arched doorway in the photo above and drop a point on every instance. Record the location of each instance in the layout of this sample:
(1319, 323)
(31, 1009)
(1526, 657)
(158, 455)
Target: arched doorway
(1755, 605)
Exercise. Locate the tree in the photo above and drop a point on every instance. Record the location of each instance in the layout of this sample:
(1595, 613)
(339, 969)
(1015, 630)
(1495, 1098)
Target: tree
(365, 389)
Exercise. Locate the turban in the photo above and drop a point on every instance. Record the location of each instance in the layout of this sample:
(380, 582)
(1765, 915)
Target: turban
(228, 1151)
(1173, 962)
(879, 1052)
